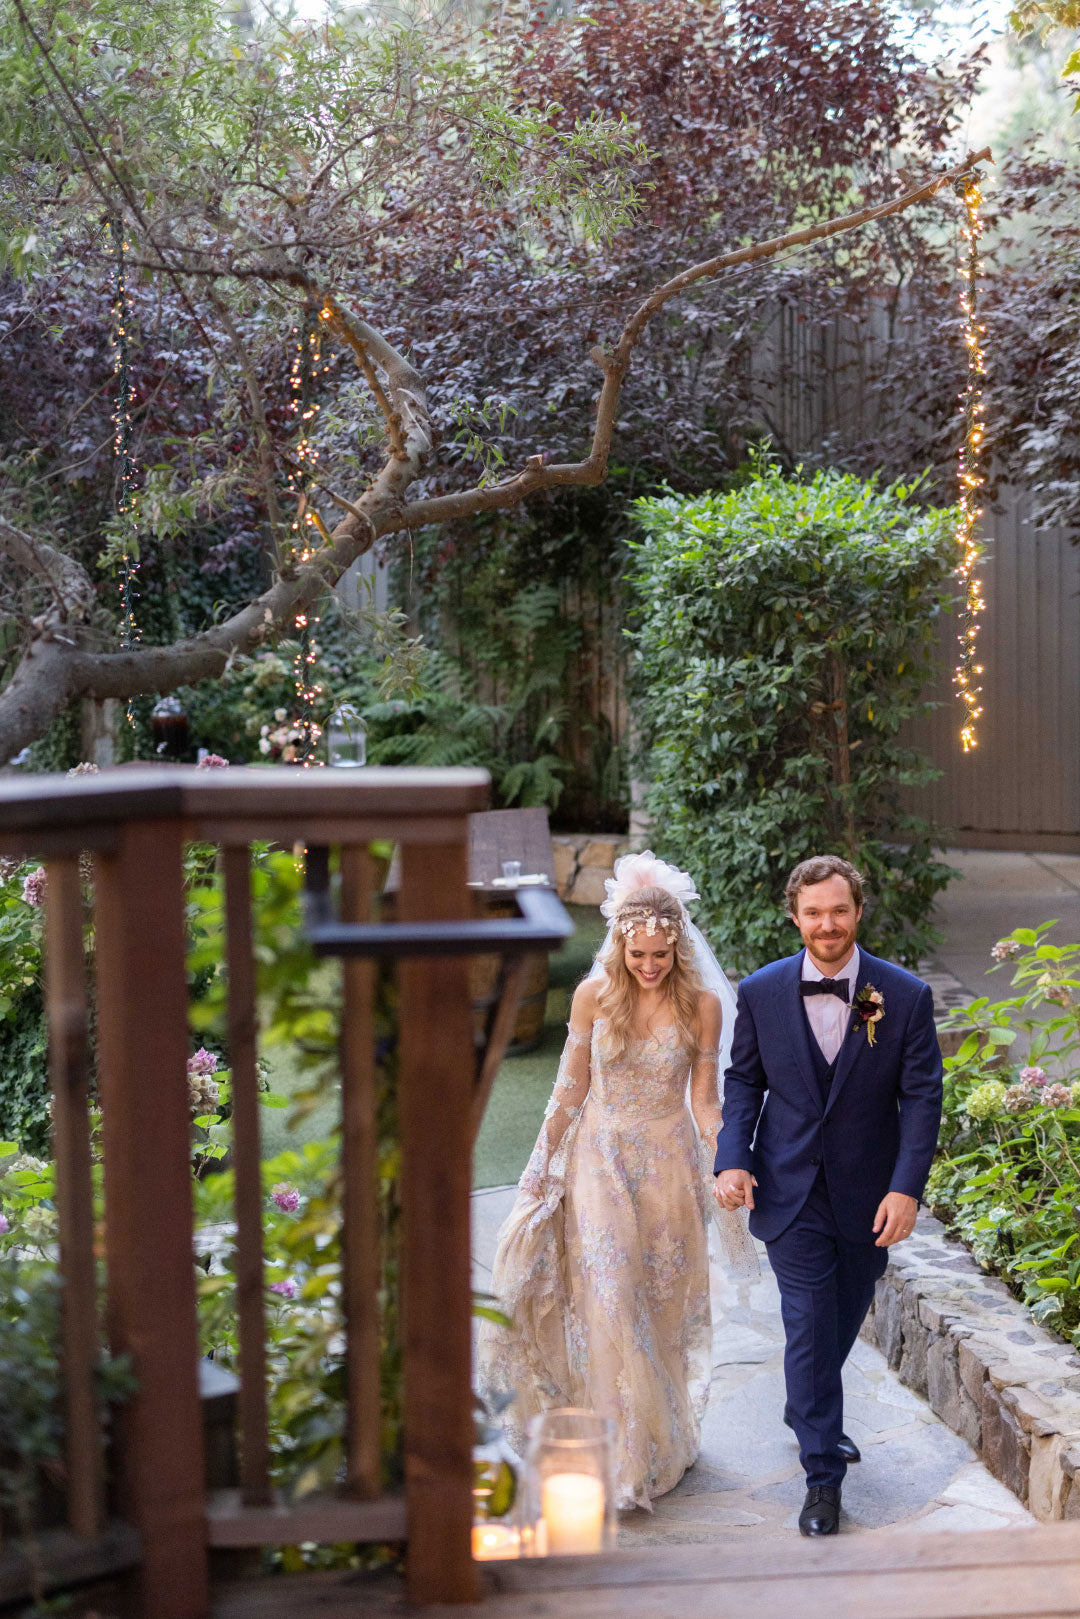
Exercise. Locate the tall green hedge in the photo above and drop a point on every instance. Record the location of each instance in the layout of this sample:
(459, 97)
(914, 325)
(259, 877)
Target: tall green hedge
(783, 633)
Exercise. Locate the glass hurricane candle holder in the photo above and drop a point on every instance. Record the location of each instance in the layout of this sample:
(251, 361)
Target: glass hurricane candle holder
(346, 738)
(496, 1499)
(569, 1500)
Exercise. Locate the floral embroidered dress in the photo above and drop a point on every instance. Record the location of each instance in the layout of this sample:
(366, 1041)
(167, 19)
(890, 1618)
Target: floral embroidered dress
(603, 1263)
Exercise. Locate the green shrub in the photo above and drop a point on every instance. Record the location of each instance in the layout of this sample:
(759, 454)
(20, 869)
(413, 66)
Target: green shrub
(24, 1080)
(1007, 1179)
(784, 633)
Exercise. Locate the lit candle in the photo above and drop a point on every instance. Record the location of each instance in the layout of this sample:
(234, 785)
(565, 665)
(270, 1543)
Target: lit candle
(572, 1505)
(491, 1541)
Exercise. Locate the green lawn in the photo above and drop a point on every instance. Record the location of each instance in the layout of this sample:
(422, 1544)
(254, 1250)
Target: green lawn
(524, 1084)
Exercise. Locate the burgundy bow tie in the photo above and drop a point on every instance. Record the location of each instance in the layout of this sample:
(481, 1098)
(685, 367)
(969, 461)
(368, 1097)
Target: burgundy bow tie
(825, 986)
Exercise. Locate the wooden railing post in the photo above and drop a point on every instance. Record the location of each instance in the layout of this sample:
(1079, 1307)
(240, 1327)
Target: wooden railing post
(247, 1169)
(360, 1205)
(65, 1000)
(146, 1120)
(437, 1064)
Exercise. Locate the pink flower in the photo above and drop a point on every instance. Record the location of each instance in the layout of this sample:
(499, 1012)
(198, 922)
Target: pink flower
(1005, 950)
(287, 1288)
(212, 761)
(5, 1224)
(203, 1062)
(33, 888)
(1033, 1076)
(1056, 1096)
(286, 1197)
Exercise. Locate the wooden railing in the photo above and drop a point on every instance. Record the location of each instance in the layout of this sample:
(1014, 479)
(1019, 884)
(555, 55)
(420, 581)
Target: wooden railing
(135, 822)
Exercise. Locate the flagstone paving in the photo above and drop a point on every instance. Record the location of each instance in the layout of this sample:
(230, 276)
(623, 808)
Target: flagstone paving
(747, 1483)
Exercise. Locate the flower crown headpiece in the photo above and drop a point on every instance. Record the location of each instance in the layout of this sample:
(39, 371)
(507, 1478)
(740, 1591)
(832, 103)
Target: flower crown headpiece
(633, 872)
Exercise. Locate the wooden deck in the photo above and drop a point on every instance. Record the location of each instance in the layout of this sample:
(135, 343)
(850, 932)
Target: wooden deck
(1021, 1574)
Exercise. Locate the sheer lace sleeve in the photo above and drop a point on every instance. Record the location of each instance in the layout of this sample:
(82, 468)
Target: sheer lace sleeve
(567, 1101)
(705, 1095)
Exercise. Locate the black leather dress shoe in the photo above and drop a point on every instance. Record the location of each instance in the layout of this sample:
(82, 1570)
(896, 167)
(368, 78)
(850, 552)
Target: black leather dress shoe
(847, 1447)
(821, 1511)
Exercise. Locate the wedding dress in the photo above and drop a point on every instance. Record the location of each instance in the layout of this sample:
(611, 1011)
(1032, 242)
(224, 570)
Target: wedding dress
(603, 1262)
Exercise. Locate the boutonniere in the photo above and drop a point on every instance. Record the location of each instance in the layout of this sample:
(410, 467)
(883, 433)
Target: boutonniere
(869, 1008)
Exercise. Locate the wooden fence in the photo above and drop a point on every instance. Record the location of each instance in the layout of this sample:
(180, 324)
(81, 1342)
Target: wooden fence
(135, 822)
(822, 389)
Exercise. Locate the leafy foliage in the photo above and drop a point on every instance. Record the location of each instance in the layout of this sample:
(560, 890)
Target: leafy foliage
(561, 166)
(773, 680)
(299, 1001)
(1007, 1179)
(24, 1085)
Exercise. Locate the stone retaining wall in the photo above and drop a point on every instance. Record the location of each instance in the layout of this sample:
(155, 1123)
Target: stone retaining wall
(1008, 1387)
(582, 861)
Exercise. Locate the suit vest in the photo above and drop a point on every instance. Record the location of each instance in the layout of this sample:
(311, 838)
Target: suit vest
(823, 1071)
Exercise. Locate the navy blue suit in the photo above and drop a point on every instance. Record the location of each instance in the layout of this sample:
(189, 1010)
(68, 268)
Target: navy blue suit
(826, 1143)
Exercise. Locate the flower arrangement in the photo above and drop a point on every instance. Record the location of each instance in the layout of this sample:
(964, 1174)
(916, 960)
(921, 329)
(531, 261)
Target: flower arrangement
(869, 1008)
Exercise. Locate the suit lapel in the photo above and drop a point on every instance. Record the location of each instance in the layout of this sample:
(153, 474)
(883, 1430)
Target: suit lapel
(855, 1040)
(793, 1021)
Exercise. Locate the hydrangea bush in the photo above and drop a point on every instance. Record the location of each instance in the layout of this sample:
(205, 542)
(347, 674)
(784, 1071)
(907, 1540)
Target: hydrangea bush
(1007, 1179)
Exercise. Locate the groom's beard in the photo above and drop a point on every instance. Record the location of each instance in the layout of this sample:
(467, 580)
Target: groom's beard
(831, 950)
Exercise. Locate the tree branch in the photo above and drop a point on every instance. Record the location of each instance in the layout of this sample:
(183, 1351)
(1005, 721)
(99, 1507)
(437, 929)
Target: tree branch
(358, 337)
(536, 475)
(51, 675)
(264, 444)
(68, 582)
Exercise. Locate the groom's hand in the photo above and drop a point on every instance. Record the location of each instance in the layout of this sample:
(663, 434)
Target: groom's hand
(895, 1218)
(734, 1187)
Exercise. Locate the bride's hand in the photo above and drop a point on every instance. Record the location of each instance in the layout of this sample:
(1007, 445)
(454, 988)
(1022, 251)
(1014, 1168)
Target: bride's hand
(734, 1187)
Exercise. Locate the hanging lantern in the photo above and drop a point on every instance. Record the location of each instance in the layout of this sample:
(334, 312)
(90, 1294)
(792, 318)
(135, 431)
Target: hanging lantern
(169, 727)
(346, 737)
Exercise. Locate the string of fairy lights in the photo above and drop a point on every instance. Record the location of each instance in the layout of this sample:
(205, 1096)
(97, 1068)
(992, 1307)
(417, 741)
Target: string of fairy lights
(967, 677)
(305, 366)
(127, 500)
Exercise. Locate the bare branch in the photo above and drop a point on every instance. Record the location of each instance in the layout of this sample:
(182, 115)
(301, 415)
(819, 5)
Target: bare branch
(66, 579)
(535, 476)
(51, 673)
(263, 440)
(336, 318)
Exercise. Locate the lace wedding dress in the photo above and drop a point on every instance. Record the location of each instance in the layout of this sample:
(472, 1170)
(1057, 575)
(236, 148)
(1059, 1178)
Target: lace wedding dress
(603, 1263)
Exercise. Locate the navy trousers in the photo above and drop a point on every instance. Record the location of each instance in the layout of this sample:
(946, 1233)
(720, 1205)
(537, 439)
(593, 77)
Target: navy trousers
(826, 1287)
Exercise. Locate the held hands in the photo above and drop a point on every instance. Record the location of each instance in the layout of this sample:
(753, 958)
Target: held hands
(895, 1218)
(734, 1187)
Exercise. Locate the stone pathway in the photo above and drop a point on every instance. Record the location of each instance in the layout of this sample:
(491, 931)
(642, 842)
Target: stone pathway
(747, 1484)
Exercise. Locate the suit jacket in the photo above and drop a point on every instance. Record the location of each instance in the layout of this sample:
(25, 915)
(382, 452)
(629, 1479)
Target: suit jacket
(877, 1130)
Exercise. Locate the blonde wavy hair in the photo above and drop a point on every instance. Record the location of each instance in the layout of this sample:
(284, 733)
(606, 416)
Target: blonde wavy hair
(617, 996)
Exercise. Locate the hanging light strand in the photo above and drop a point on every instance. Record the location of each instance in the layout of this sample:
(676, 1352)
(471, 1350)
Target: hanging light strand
(305, 366)
(968, 675)
(127, 499)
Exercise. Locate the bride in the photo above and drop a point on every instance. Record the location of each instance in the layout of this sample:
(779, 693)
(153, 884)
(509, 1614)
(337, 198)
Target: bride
(603, 1264)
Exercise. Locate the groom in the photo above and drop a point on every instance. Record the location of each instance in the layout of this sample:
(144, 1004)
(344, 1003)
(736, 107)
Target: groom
(832, 1101)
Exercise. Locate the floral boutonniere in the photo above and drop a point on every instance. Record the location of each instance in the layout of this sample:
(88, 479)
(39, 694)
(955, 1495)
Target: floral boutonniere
(869, 1008)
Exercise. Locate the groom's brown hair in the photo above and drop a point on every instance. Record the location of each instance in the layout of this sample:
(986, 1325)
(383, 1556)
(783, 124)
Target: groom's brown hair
(818, 869)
